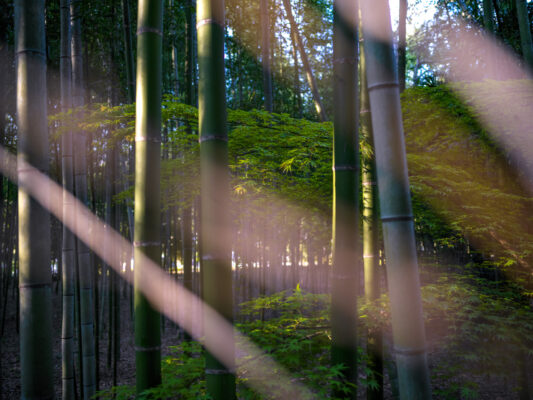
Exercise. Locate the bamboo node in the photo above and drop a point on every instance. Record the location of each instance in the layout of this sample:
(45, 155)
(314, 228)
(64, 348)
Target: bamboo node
(206, 138)
(149, 29)
(143, 348)
(345, 168)
(146, 244)
(37, 52)
(34, 285)
(147, 139)
(397, 218)
(207, 21)
(382, 85)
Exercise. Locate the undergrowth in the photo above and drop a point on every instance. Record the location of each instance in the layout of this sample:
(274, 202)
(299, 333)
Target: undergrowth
(476, 329)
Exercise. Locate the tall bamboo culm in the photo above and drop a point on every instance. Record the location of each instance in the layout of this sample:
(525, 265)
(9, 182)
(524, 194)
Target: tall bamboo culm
(215, 263)
(395, 202)
(346, 241)
(68, 257)
(374, 344)
(147, 187)
(85, 273)
(264, 11)
(128, 51)
(525, 32)
(34, 222)
(187, 216)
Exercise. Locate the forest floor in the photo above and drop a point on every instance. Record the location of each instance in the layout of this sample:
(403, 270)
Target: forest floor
(490, 387)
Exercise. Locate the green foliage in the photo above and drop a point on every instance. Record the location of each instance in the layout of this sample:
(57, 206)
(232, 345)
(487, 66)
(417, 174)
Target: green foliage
(482, 327)
(464, 186)
(475, 327)
(183, 377)
(467, 195)
(297, 337)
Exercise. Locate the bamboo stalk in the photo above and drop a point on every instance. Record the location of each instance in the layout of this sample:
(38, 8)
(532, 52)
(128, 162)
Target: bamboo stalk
(215, 249)
(147, 187)
(370, 235)
(68, 256)
(395, 203)
(35, 278)
(346, 240)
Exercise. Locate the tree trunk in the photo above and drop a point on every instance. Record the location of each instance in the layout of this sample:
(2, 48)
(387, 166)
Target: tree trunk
(345, 193)
(488, 15)
(35, 278)
(309, 73)
(370, 236)
(189, 53)
(265, 53)
(297, 91)
(402, 43)
(147, 188)
(68, 256)
(395, 203)
(128, 51)
(217, 276)
(525, 32)
(187, 260)
(80, 181)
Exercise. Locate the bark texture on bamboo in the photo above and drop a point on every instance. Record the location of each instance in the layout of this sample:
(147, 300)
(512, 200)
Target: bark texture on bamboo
(215, 247)
(346, 241)
(34, 222)
(395, 203)
(374, 344)
(488, 15)
(128, 51)
(264, 11)
(80, 181)
(525, 32)
(147, 187)
(68, 248)
(402, 44)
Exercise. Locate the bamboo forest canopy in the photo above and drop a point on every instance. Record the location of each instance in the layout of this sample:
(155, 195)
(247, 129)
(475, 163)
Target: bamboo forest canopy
(427, 62)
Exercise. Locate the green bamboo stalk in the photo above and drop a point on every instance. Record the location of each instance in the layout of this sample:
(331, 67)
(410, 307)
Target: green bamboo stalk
(80, 182)
(147, 187)
(525, 32)
(345, 192)
(370, 233)
(128, 51)
(34, 222)
(187, 237)
(488, 15)
(68, 256)
(395, 203)
(265, 53)
(402, 51)
(187, 261)
(215, 251)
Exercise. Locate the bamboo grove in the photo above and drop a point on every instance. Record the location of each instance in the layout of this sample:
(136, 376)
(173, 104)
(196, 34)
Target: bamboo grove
(257, 156)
